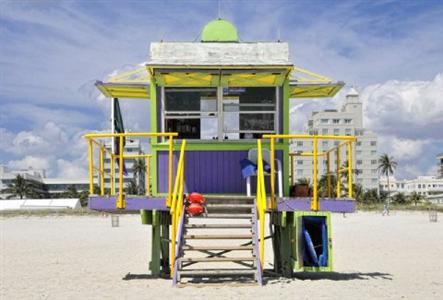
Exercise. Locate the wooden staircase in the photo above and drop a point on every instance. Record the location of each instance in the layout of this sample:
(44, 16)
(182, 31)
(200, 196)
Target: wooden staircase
(220, 246)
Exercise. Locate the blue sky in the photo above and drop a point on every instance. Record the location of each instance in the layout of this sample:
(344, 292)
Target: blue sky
(52, 52)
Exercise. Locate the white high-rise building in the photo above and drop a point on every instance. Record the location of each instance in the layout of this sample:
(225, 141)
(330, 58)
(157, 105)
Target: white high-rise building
(131, 147)
(347, 121)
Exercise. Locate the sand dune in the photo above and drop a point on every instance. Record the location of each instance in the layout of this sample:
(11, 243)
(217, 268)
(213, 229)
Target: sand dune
(83, 257)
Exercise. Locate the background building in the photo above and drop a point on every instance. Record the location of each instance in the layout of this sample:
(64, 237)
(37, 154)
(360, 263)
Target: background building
(440, 164)
(132, 147)
(44, 187)
(347, 121)
(430, 187)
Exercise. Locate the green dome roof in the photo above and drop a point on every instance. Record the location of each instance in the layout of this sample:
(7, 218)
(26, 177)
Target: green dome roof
(219, 31)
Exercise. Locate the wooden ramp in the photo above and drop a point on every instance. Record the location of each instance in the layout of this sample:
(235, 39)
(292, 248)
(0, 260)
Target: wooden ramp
(218, 247)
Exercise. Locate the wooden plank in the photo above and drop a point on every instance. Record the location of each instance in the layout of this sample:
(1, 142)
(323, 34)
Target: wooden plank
(218, 236)
(217, 259)
(217, 226)
(231, 248)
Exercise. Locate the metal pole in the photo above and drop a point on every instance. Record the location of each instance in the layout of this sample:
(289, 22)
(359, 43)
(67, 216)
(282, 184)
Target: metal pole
(350, 192)
(338, 173)
(328, 172)
(91, 167)
(112, 175)
(102, 171)
(120, 202)
(272, 162)
(314, 204)
(148, 176)
(170, 170)
(113, 145)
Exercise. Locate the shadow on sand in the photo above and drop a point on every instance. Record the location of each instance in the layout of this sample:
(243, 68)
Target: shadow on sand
(334, 276)
(130, 276)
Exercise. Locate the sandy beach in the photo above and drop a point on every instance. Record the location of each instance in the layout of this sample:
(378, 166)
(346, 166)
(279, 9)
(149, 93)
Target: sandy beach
(83, 257)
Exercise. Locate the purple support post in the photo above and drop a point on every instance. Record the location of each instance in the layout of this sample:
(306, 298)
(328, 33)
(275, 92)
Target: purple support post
(178, 239)
(257, 254)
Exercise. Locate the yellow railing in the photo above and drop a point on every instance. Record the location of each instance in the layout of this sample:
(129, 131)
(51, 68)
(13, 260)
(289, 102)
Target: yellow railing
(176, 209)
(348, 140)
(93, 139)
(261, 202)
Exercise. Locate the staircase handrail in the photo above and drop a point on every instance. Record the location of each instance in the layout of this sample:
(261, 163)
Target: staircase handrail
(176, 209)
(261, 201)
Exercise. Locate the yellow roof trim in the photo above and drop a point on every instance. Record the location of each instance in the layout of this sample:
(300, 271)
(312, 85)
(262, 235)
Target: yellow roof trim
(124, 90)
(314, 90)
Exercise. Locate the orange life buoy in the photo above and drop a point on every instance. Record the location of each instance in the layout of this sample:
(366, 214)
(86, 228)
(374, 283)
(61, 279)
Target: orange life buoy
(195, 209)
(195, 198)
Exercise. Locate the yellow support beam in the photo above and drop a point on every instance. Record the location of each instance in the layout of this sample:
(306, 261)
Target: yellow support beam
(131, 134)
(328, 174)
(112, 175)
(261, 202)
(350, 192)
(338, 173)
(314, 202)
(102, 171)
(272, 163)
(148, 175)
(171, 148)
(310, 136)
(91, 167)
(306, 154)
(121, 199)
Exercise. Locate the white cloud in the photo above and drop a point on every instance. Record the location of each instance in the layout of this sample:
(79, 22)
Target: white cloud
(72, 169)
(406, 108)
(403, 149)
(29, 161)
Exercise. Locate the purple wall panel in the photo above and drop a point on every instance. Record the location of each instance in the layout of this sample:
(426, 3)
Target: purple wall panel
(326, 204)
(106, 203)
(207, 171)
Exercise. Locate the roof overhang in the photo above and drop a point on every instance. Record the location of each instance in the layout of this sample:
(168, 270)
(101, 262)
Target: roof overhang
(314, 90)
(124, 90)
(213, 76)
(136, 83)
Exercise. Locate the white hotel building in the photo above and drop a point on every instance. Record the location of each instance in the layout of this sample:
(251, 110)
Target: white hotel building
(131, 147)
(430, 187)
(347, 121)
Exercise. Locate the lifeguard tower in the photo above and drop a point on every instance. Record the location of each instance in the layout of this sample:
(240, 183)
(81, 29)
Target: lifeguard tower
(219, 125)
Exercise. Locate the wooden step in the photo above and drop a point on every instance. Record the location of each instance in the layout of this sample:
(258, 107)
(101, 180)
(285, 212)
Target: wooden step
(217, 272)
(216, 259)
(216, 284)
(229, 200)
(223, 216)
(218, 226)
(229, 208)
(216, 248)
(218, 236)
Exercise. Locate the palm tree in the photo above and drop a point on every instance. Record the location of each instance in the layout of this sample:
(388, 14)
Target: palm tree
(19, 187)
(304, 181)
(84, 198)
(358, 191)
(387, 166)
(323, 185)
(139, 169)
(371, 196)
(415, 197)
(400, 198)
(131, 188)
(71, 192)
